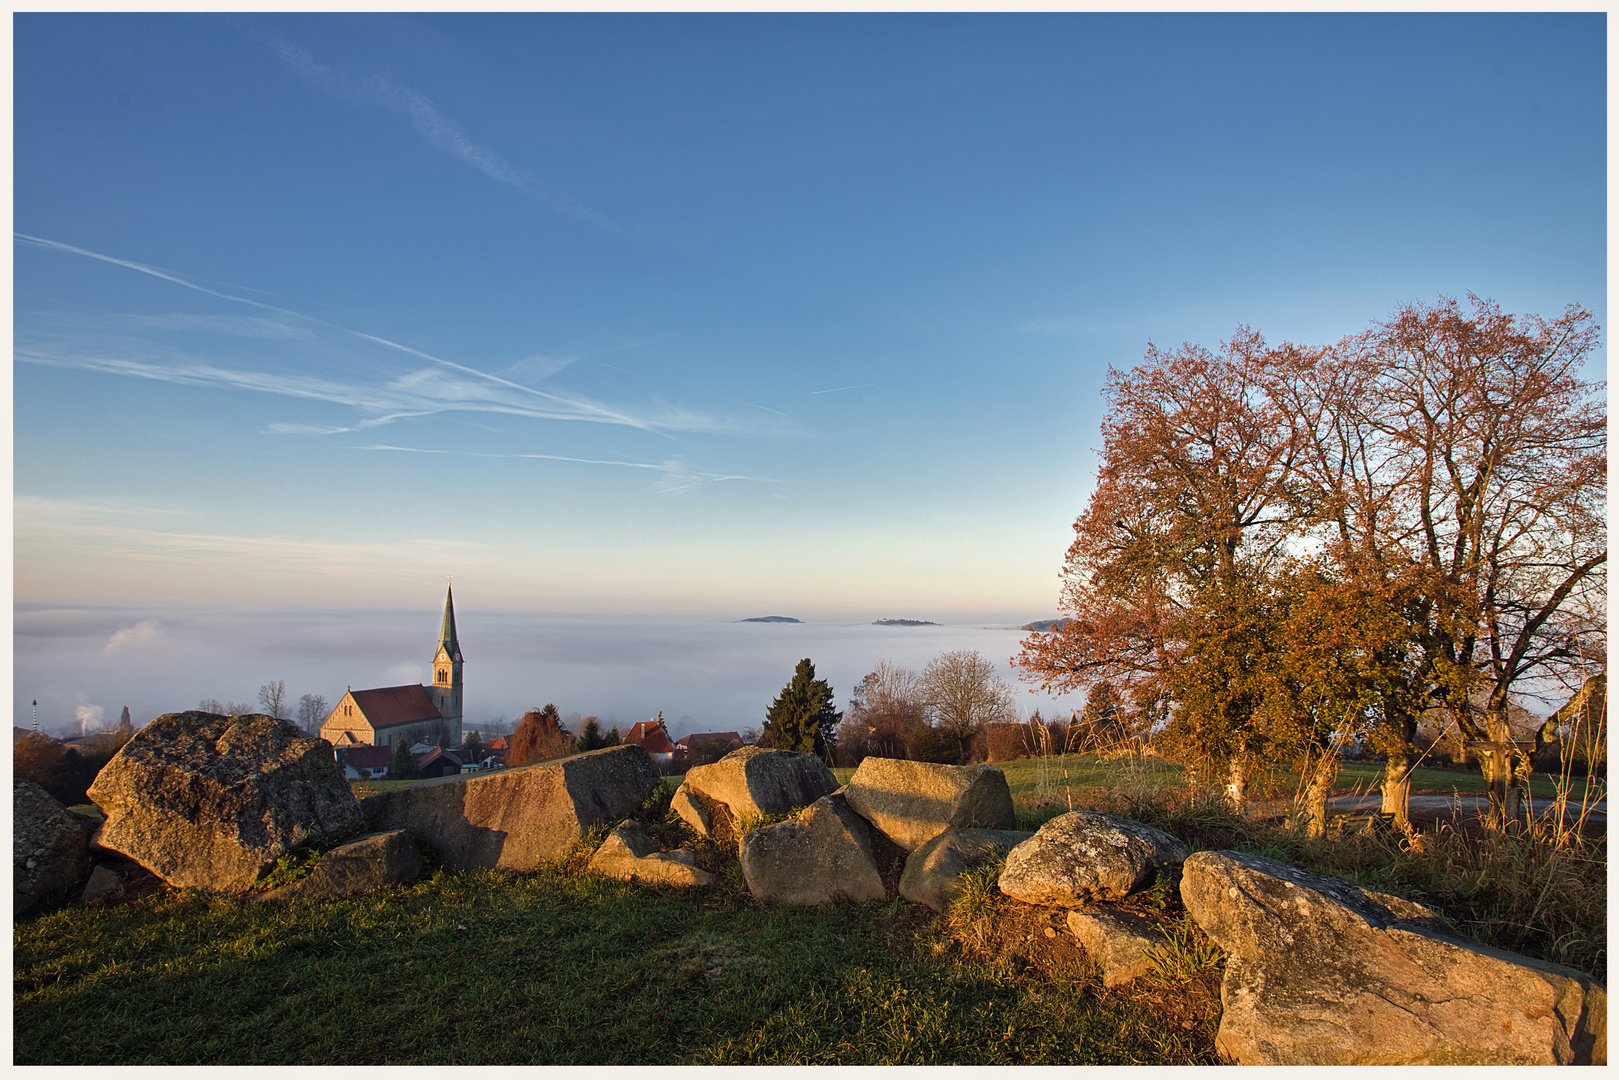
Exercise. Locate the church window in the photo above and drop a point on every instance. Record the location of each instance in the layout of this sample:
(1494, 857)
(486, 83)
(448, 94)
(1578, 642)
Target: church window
(441, 675)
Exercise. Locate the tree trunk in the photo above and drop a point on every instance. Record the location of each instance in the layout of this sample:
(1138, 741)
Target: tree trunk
(1496, 764)
(1397, 788)
(1236, 791)
(1318, 789)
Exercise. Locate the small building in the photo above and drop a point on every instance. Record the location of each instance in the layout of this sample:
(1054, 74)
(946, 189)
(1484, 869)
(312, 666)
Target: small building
(436, 762)
(364, 762)
(704, 747)
(385, 715)
(650, 736)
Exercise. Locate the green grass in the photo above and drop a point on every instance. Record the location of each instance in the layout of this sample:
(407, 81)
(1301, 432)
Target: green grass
(553, 967)
(479, 967)
(1360, 776)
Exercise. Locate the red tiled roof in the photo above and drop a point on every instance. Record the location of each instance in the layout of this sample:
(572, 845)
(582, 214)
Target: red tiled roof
(390, 706)
(649, 737)
(497, 743)
(365, 757)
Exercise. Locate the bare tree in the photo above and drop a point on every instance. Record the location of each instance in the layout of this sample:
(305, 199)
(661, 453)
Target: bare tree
(224, 708)
(885, 709)
(963, 693)
(273, 697)
(1489, 501)
(312, 712)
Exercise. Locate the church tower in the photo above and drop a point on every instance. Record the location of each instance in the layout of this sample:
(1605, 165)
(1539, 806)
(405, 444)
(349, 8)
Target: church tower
(446, 688)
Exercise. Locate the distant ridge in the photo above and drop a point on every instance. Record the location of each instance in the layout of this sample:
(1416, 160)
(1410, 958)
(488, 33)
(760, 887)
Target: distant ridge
(902, 622)
(1046, 624)
(772, 618)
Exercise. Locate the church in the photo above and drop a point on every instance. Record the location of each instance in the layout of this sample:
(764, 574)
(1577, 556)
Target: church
(415, 713)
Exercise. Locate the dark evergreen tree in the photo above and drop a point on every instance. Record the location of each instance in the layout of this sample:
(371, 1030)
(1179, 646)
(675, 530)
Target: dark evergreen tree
(403, 766)
(802, 717)
(590, 736)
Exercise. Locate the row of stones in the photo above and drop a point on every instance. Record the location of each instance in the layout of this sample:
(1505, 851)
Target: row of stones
(1319, 970)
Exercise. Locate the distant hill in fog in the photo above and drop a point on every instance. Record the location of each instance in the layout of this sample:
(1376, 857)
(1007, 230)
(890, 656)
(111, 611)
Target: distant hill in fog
(902, 622)
(772, 618)
(1046, 624)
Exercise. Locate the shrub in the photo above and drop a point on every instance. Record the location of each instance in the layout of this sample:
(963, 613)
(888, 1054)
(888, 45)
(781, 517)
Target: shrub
(66, 774)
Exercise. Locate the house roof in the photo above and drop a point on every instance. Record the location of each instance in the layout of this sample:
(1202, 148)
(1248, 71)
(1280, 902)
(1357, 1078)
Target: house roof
(365, 756)
(497, 743)
(435, 754)
(390, 706)
(649, 737)
(708, 738)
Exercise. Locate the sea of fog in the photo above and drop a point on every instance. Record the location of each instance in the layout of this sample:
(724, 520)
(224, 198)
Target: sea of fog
(84, 664)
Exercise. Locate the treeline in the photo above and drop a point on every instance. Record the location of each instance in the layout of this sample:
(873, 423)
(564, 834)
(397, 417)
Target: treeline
(65, 770)
(1292, 549)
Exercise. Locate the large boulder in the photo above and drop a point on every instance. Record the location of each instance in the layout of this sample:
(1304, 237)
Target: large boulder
(752, 782)
(820, 855)
(689, 808)
(365, 863)
(1082, 857)
(49, 846)
(514, 819)
(914, 801)
(932, 870)
(1323, 972)
(211, 802)
(629, 854)
(1118, 941)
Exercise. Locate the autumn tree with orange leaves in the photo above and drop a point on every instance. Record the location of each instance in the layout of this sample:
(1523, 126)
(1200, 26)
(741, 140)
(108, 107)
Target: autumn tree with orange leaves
(1167, 578)
(1289, 547)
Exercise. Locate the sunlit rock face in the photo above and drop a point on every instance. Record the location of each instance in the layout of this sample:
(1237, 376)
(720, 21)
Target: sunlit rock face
(1082, 857)
(752, 782)
(210, 802)
(368, 862)
(630, 855)
(515, 819)
(820, 855)
(1323, 972)
(914, 801)
(933, 871)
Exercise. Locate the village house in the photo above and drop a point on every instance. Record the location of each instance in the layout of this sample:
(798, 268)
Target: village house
(704, 748)
(650, 736)
(385, 715)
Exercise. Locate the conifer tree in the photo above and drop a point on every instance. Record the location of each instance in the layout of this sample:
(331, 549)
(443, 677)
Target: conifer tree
(590, 736)
(802, 718)
(403, 766)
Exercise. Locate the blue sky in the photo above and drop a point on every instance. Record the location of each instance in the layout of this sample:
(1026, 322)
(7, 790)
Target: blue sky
(718, 315)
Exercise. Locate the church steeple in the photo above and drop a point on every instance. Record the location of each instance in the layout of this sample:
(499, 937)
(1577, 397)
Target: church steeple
(445, 693)
(446, 637)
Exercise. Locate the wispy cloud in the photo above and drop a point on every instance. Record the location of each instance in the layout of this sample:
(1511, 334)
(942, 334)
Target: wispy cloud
(863, 386)
(446, 385)
(677, 478)
(430, 122)
(36, 505)
(87, 533)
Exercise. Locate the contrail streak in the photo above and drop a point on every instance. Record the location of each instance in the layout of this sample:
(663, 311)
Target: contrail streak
(56, 245)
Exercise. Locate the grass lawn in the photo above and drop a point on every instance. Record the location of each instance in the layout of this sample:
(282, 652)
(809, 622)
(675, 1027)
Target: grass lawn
(556, 967)
(549, 967)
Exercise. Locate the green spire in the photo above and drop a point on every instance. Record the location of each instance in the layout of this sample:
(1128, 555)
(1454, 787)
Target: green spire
(446, 636)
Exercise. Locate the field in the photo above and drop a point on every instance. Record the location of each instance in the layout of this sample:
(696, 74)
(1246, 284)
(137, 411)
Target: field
(553, 967)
